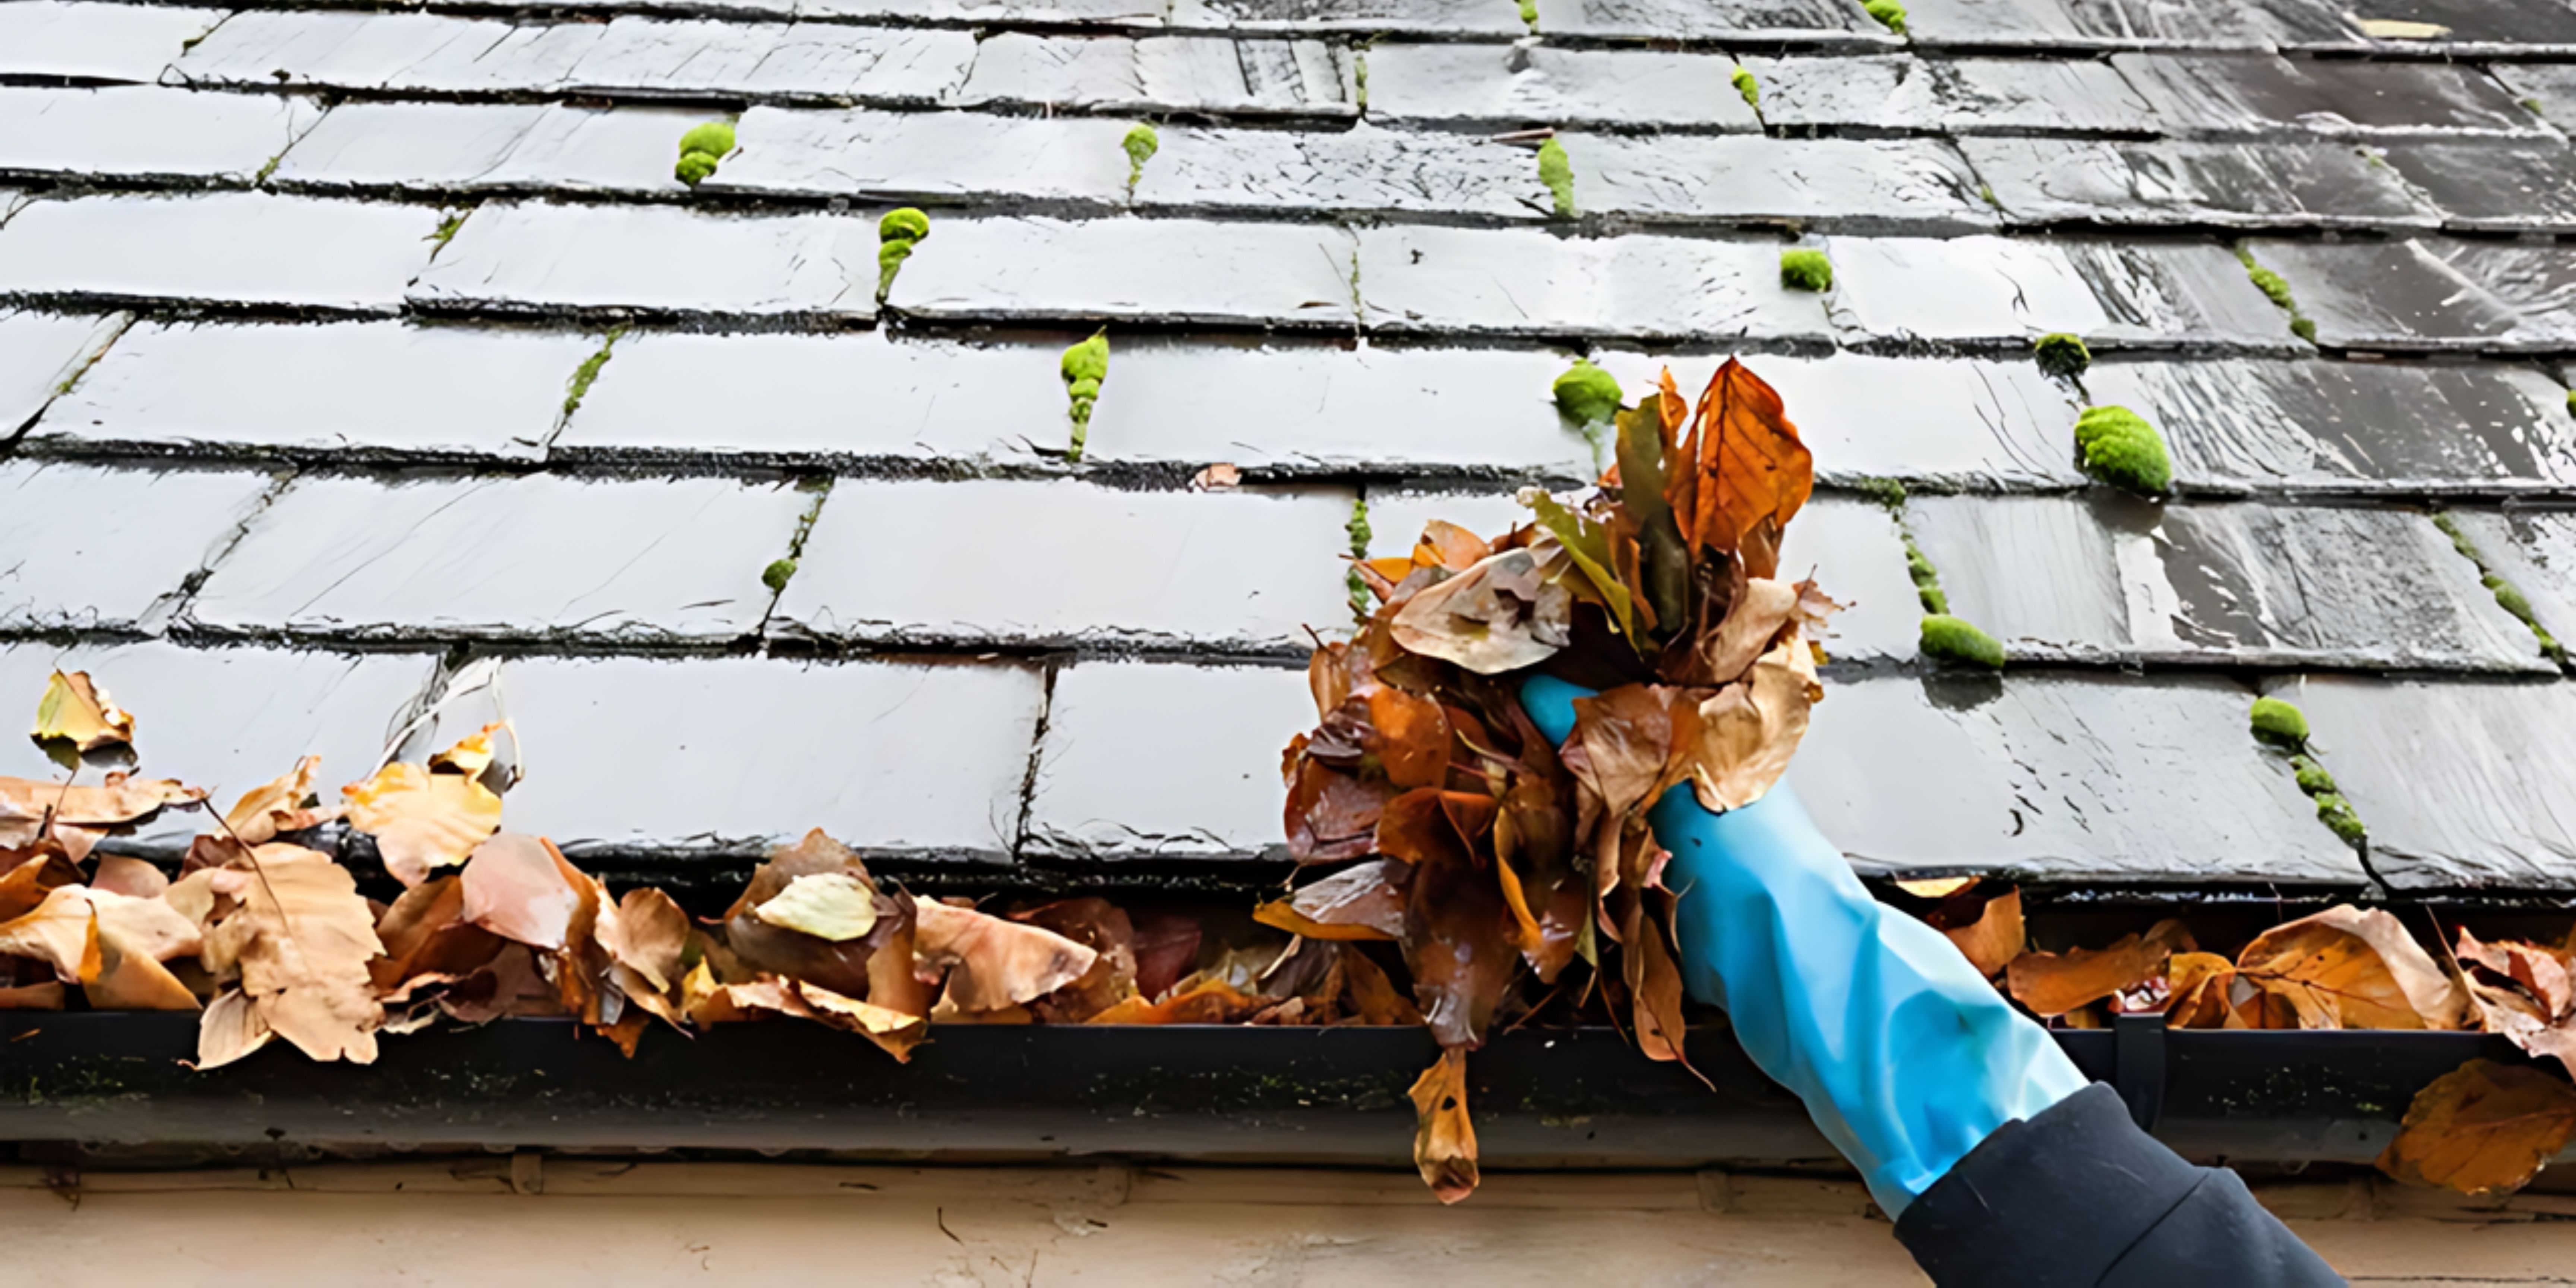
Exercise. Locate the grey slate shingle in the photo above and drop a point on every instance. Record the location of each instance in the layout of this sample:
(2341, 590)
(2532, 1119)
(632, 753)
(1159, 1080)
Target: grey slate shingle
(1953, 96)
(217, 248)
(1507, 85)
(539, 256)
(108, 43)
(2186, 183)
(1212, 735)
(112, 549)
(140, 131)
(40, 353)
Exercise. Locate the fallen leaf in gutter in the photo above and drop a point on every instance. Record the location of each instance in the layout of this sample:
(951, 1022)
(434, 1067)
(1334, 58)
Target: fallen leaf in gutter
(1444, 1139)
(2481, 1128)
(75, 718)
(831, 906)
(2055, 983)
(992, 963)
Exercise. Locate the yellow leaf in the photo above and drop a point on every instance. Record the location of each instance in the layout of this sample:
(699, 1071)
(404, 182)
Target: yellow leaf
(424, 818)
(1444, 1139)
(62, 931)
(78, 716)
(827, 905)
(278, 805)
(891, 1029)
(2482, 1127)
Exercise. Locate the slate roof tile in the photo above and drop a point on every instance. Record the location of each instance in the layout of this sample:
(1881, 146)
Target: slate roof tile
(1960, 96)
(535, 257)
(2063, 25)
(2184, 184)
(41, 353)
(1863, 185)
(113, 549)
(2228, 96)
(1505, 86)
(1163, 73)
(1999, 291)
(143, 131)
(1502, 282)
(459, 148)
(1241, 274)
(216, 248)
(1213, 735)
(101, 43)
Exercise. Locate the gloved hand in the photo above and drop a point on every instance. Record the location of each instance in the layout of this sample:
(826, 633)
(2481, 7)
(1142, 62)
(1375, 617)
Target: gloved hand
(1904, 1057)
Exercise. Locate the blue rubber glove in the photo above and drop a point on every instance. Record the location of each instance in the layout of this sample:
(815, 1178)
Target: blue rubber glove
(1904, 1057)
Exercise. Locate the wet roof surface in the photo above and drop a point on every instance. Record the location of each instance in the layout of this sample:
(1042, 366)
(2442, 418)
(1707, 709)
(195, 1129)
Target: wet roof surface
(371, 375)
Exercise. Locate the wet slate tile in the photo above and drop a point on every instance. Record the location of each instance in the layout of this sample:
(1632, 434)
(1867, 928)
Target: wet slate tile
(1514, 85)
(639, 756)
(2387, 295)
(1166, 760)
(2227, 95)
(1949, 95)
(1894, 185)
(2462, 785)
(845, 397)
(2466, 28)
(819, 60)
(538, 256)
(96, 42)
(674, 561)
(140, 131)
(489, 147)
(1072, 13)
(2547, 90)
(1332, 410)
(2184, 182)
(1526, 282)
(929, 156)
(1430, 17)
(1656, 21)
(2407, 428)
(1234, 571)
(229, 719)
(2535, 551)
(1166, 270)
(94, 549)
(2494, 187)
(1163, 74)
(2125, 24)
(2060, 778)
(1996, 289)
(369, 387)
(2104, 578)
(385, 51)
(2537, 281)
(247, 248)
(1360, 171)
(41, 353)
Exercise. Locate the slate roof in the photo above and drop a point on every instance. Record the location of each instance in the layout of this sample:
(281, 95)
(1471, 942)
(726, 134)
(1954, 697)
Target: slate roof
(302, 462)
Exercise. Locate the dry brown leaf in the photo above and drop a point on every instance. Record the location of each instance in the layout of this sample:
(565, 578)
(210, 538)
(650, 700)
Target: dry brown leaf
(992, 963)
(1995, 938)
(1219, 477)
(649, 936)
(1504, 613)
(230, 1028)
(131, 980)
(81, 814)
(2481, 1128)
(76, 717)
(48, 996)
(516, 887)
(1444, 1140)
(1750, 468)
(281, 805)
(1365, 901)
(1752, 622)
(2052, 984)
(62, 931)
(2537, 970)
(1749, 729)
(894, 1031)
(25, 885)
(2200, 989)
(426, 817)
(301, 939)
(119, 874)
(1200, 999)
(2347, 968)
(428, 940)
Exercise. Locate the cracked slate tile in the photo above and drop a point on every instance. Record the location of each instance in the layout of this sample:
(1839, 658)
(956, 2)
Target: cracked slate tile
(927, 156)
(2195, 184)
(1956, 96)
(848, 396)
(1527, 282)
(107, 549)
(2010, 290)
(1893, 185)
(2463, 785)
(805, 60)
(2107, 578)
(1504, 86)
(2535, 552)
(2060, 778)
(1360, 171)
(2125, 24)
(2512, 186)
(661, 562)
(1426, 17)
(1164, 760)
(2404, 428)
(365, 387)
(490, 147)
(538, 257)
(418, 52)
(42, 353)
(636, 756)
(139, 131)
(1107, 269)
(1163, 74)
(97, 42)
(1243, 572)
(2236, 95)
(229, 719)
(226, 248)
(1650, 21)
(2397, 296)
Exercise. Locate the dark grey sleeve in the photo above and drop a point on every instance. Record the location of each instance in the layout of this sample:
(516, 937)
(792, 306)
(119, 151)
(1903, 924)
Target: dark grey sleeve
(2078, 1196)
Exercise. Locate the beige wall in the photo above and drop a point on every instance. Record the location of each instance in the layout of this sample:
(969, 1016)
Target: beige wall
(559, 1223)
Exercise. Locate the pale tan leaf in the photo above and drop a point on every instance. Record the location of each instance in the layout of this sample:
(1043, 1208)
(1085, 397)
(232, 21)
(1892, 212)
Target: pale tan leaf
(230, 1028)
(2055, 983)
(1749, 729)
(831, 906)
(48, 996)
(302, 939)
(1752, 622)
(1995, 938)
(893, 1030)
(131, 980)
(1504, 613)
(993, 963)
(81, 813)
(279, 805)
(62, 931)
(428, 817)
(515, 889)
(118, 874)
(1444, 1138)
(1936, 887)
(648, 936)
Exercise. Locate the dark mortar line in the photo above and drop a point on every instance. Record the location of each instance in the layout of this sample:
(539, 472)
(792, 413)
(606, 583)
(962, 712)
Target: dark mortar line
(1049, 672)
(792, 641)
(822, 489)
(164, 309)
(171, 610)
(9, 447)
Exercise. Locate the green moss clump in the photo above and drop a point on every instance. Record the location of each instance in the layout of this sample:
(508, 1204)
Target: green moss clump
(776, 575)
(693, 168)
(2274, 288)
(1361, 534)
(1806, 270)
(2313, 778)
(1927, 581)
(2571, 402)
(1529, 15)
(453, 222)
(1890, 14)
(2279, 723)
(2060, 354)
(1556, 171)
(1888, 493)
(715, 138)
(587, 373)
(890, 258)
(903, 224)
(1951, 639)
(1084, 367)
(2336, 813)
(1140, 145)
(2120, 448)
(2304, 328)
(1587, 394)
(1750, 88)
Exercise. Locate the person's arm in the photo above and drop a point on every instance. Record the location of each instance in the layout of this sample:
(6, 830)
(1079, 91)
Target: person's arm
(1970, 1126)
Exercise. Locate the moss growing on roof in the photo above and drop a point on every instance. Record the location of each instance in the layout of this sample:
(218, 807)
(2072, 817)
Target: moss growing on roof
(587, 373)
(1806, 270)
(1951, 639)
(1556, 171)
(1084, 367)
(897, 233)
(2313, 778)
(2337, 813)
(2278, 723)
(1927, 580)
(1361, 534)
(1529, 15)
(776, 575)
(1140, 145)
(2276, 288)
(700, 149)
(1750, 88)
(2118, 447)
(1890, 14)
(2508, 596)
(1888, 493)
(694, 167)
(1586, 393)
(2060, 354)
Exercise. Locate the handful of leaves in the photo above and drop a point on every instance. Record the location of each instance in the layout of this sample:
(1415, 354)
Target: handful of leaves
(1472, 841)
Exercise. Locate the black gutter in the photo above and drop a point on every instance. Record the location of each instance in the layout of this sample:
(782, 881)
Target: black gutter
(1567, 1096)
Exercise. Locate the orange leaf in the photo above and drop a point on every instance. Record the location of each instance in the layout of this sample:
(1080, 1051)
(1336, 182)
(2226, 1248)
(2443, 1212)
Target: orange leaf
(2056, 983)
(277, 806)
(2345, 968)
(1742, 465)
(993, 963)
(2481, 1128)
(1995, 938)
(2199, 986)
(1365, 901)
(1444, 1142)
